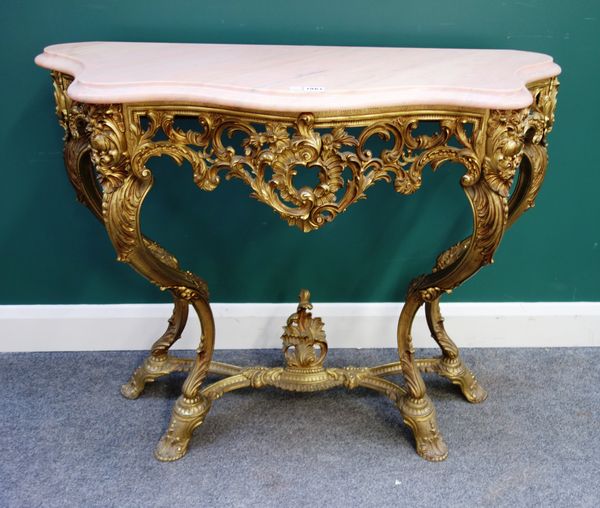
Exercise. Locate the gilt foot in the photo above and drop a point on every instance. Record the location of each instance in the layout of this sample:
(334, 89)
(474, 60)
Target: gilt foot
(187, 415)
(456, 371)
(419, 415)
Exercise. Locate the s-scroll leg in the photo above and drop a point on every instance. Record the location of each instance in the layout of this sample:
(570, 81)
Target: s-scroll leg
(532, 170)
(451, 365)
(191, 407)
(159, 363)
(417, 408)
(125, 183)
(81, 173)
(158, 266)
(490, 215)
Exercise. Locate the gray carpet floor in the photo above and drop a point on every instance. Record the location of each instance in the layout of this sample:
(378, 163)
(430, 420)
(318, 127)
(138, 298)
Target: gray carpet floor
(69, 439)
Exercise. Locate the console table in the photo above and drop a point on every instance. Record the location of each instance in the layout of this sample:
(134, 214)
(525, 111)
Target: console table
(122, 104)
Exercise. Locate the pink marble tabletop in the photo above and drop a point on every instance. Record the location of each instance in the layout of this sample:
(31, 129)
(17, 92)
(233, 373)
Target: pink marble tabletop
(297, 78)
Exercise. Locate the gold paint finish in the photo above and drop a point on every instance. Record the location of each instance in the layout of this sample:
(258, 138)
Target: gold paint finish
(106, 151)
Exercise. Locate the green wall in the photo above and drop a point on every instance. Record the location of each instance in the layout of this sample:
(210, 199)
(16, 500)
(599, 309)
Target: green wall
(53, 251)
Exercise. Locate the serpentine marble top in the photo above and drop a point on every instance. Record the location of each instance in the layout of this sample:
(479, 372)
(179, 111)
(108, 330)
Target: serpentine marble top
(297, 78)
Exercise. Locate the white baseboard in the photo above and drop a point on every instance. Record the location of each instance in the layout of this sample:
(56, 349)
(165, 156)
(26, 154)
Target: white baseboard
(246, 326)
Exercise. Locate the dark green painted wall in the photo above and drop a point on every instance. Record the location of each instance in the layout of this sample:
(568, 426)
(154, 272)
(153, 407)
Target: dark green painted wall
(53, 251)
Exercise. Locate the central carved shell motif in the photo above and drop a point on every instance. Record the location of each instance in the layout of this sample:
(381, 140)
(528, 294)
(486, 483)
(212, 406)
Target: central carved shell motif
(270, 155)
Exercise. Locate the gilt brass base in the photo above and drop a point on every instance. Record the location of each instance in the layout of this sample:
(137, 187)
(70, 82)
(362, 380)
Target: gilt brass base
(504, 156)
(305, 350)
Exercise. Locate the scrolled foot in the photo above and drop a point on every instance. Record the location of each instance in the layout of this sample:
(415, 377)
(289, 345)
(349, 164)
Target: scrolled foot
(473, 392)
(132, 389)
(187, 415)
(460, 375)
(152, 368)
(432, 449)
(171, 448)
(135, 386)
(419, 415)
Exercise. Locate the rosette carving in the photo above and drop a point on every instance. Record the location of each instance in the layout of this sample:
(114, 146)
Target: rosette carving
(109, 147)
(505, 141)
(123, 192)
(535, 156)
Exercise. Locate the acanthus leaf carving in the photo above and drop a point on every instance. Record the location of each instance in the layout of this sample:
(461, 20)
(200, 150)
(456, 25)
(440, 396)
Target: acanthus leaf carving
(106, 128)
(301, 335)
(505, 142)
(275, 151)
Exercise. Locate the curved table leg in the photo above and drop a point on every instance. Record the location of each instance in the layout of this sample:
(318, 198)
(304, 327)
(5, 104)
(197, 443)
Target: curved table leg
(490, 216)
(126, 182)
(417, 408)
(487, 194)
(159, 363)
(451, 365)
(191, 406)
(80, 170)
(530, 177)
(153, 263)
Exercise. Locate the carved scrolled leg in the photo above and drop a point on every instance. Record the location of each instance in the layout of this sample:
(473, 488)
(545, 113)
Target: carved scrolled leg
(487, 192)
(82, 176)
(191, 406)
(159, 363)
(490, 214)
(80, 170)
(531, 175)
(451, 365)
(417, 408)
(125, 182)
(159, 267)
(535, 155)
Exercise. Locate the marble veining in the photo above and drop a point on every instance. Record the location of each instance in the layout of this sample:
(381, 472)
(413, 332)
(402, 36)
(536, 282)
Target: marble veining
(297, 78)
